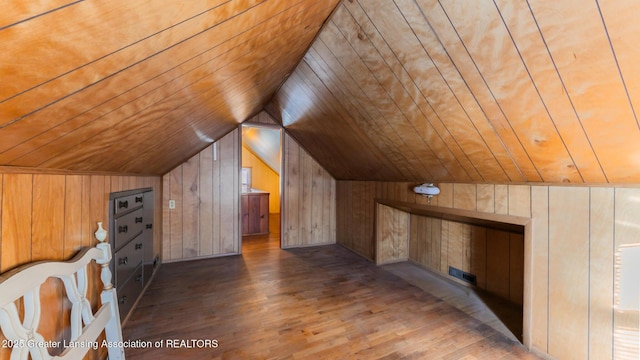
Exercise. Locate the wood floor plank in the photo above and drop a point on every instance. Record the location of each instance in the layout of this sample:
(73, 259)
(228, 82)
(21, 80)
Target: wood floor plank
(313, 302)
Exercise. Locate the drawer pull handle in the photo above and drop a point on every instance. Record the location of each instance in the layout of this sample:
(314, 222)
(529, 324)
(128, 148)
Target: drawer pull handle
(139, 278)
(123, 204)
(122, 299)
(123, 261)
(149, 226)
(139, 219)
(138, 246)
(138, 199)
(123, 229)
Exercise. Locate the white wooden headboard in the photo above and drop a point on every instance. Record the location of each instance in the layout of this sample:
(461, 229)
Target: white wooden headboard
(24, 282)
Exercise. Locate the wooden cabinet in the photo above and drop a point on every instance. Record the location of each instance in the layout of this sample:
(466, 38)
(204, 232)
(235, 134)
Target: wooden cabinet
(255, 213)
(131, 238)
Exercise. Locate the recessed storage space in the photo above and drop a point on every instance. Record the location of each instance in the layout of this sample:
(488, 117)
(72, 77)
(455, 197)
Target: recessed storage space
(493, 258)
(482, 254)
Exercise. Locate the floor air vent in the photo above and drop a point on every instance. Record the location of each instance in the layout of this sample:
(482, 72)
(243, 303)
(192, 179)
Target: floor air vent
(464, 276)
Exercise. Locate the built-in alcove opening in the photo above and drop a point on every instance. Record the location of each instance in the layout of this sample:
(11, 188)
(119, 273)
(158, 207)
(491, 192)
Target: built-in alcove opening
(476, 261)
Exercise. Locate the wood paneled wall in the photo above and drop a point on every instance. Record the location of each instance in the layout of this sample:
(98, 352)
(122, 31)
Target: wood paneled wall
(575, 233)
(206, 190)
(495, 257)
(392, 235)
(263, 178)
(262, 118)
(355, 211)
(47, 216)
(206, 220)
(309, 199)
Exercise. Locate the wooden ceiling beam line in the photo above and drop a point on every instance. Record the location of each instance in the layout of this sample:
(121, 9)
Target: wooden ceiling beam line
(13, 16)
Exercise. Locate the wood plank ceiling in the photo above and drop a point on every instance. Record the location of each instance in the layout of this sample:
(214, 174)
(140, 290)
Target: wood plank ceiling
(401, 90)
(471, 91)
(140, 86)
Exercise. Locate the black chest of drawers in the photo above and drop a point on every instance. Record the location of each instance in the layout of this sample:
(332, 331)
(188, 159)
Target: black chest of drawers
(131, 238)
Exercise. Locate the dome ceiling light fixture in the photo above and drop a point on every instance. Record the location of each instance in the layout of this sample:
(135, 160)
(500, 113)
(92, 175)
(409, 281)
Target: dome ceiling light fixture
(427, 189)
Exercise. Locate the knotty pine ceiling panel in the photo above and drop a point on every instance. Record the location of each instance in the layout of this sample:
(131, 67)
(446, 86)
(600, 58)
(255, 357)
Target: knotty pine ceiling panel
(482, 91)
(139, 87)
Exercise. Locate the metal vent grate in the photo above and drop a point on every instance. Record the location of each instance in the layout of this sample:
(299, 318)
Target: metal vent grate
(464, 276)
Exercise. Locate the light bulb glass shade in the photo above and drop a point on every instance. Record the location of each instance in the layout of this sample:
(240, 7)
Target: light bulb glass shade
(427, 189)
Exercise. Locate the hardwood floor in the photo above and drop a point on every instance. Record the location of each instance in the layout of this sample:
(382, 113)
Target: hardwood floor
(320, 303)
(253, 243)
(500, 314)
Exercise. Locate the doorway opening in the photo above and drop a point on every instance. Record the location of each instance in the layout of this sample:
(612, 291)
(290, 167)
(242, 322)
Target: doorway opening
(260, 188)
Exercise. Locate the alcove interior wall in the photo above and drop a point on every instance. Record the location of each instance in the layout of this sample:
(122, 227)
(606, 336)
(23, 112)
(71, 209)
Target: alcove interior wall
(495, 257)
